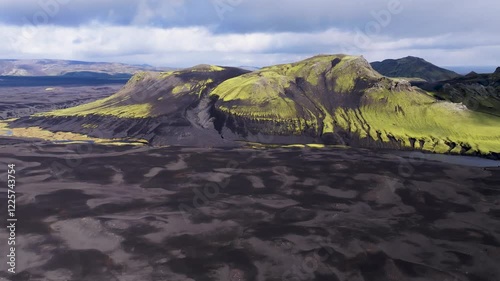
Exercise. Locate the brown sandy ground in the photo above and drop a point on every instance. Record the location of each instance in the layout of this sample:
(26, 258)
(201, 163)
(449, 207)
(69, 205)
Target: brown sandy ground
(90, 212)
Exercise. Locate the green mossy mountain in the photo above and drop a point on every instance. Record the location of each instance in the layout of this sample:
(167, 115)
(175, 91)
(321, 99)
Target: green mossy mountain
(327, 99)
(413, 67)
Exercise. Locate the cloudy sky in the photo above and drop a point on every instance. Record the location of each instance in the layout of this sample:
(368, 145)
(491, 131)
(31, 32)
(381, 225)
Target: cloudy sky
(250, 32)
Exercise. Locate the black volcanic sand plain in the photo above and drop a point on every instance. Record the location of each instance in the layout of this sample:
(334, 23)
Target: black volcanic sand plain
(18, 100)
(89, 212)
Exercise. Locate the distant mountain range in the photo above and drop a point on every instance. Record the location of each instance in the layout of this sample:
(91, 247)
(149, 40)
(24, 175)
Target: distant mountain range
(413, 67)
(45, 67)
(463, 70)
(326, 99)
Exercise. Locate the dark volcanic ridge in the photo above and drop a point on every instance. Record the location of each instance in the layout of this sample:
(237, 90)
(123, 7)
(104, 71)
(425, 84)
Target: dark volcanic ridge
(178, 118)
(413, 67)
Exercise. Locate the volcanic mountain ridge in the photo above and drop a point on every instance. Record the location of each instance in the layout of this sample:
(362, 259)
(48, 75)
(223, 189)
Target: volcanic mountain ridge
(326, 99)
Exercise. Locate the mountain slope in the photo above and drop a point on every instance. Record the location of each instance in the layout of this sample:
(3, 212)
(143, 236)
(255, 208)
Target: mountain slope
(342, 100)
(163, 108)
(335, 99)
(479, 92)
(68, 68)
(413, 67)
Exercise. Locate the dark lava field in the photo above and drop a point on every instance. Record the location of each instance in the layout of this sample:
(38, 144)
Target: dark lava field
(90, 212)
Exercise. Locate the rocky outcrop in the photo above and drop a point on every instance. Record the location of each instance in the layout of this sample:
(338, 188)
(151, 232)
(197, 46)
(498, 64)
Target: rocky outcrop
(479, 92)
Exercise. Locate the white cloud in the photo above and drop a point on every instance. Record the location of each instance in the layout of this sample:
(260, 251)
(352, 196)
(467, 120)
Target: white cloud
(193, 45)
(259, 32)
(147, 11)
